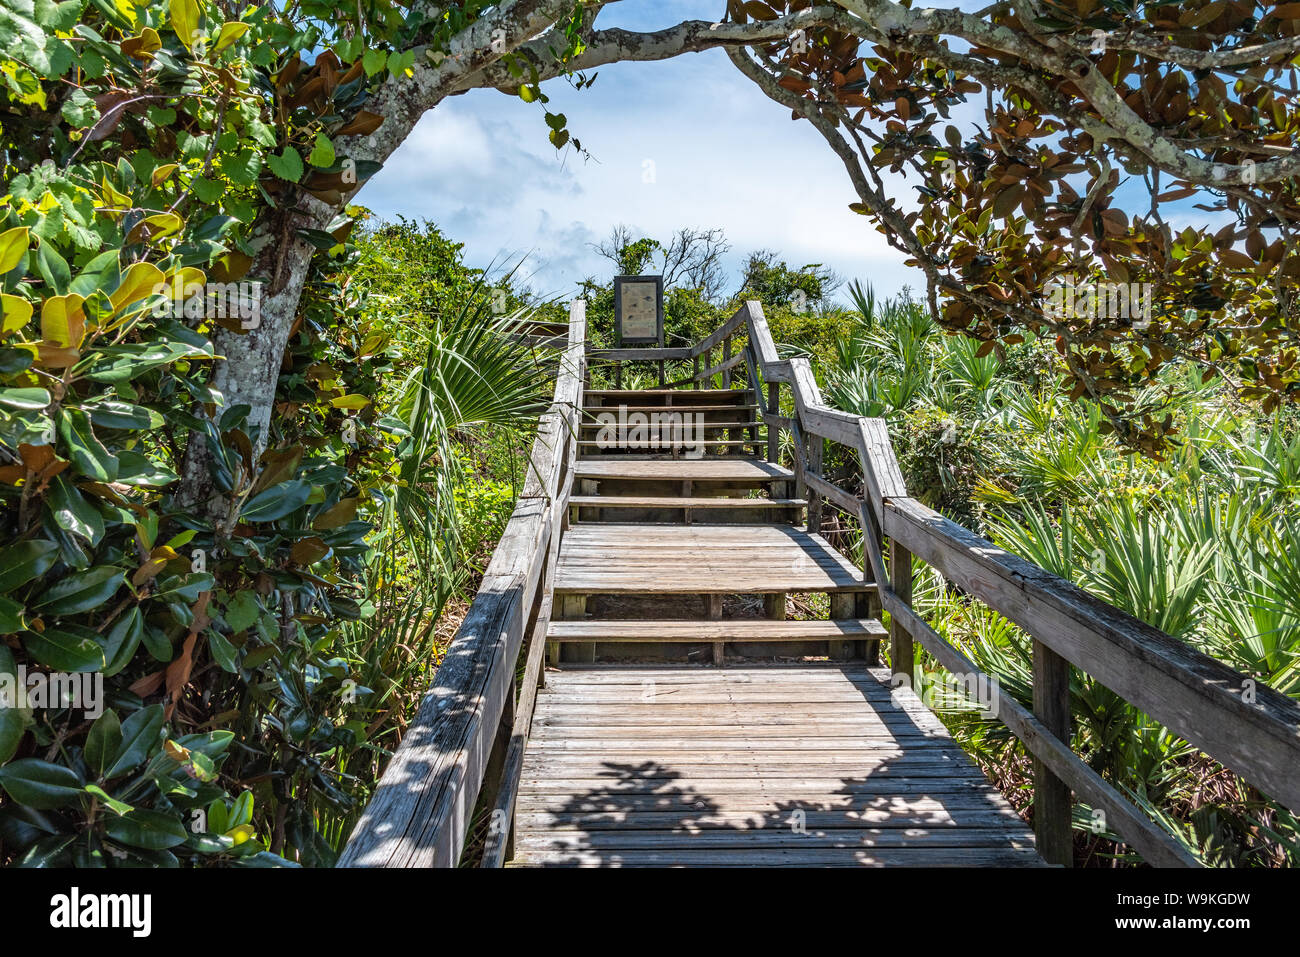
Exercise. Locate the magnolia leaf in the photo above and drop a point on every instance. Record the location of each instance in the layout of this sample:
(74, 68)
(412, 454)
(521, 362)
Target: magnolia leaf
(16, 310)
(13, 246)
(63, 323)
(185, 21)
(231, 31)
(139, 281)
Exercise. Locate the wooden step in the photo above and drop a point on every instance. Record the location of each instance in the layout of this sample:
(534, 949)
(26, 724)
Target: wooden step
(687, 393)
(666, 443)
(688, 502)
(594, 409)
(628, 558)
(610, 779)
(692, 470)
(673, 426)
(738, 629)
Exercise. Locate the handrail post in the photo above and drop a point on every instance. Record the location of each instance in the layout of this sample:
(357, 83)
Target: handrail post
(773, 430)
(816, 445)
(1053, 803)
(902, 653)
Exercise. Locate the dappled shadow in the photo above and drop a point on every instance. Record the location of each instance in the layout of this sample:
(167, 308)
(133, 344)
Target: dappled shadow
(879, 786)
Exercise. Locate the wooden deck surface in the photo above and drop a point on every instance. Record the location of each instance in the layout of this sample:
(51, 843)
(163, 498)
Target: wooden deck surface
(612, 559)
(723, 470)
(794, 766)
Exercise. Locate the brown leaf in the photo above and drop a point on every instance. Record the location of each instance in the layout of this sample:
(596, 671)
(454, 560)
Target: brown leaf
(147, 685)
(363, 124)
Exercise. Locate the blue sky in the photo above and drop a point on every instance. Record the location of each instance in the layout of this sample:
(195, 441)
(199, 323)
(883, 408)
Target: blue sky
(723, 155)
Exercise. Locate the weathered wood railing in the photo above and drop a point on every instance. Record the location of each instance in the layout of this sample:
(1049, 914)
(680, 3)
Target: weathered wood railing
(467, 737)
(1249, 728)
(699, 354)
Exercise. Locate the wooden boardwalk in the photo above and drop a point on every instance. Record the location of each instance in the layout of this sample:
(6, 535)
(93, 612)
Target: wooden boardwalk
(573, 722)
(810, 762)
(801, 766)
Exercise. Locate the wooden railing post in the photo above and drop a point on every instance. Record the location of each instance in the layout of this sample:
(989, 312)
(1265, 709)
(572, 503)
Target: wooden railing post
(1052, 799)
(773, 432)
(902, 654)
(814, 458)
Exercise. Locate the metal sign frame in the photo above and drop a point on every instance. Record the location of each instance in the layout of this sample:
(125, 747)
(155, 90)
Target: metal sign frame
(658, 338)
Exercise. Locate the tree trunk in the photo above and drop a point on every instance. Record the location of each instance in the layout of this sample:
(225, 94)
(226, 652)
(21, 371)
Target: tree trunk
(248, 365)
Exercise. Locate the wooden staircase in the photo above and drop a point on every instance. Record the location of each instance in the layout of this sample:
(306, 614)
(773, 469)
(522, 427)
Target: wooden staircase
(789, 748)
(669, 423)
(685, 720)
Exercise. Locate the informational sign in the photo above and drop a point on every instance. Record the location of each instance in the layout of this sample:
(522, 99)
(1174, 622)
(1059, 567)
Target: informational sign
(639, 310)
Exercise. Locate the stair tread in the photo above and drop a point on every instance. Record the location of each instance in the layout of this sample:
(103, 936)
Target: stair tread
(670, 442)
(697, 470)
(674, 501)
(676, 408)
(736, 629)
(686, 392)
(721, 424)
(607, 558)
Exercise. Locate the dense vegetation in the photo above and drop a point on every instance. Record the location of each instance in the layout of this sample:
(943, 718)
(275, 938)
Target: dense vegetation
(1201, 543)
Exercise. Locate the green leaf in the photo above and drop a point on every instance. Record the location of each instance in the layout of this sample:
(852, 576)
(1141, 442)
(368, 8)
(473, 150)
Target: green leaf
(185, 20)
(102, 742)
(39, 784)
(123, 415)
(88, 454)
(241, 813)
(72, 649)
(12, 727)
(218, 816)
(122, 641)
(231, 31)
(372, 61)
(140, 470)
(322, 154)
(72, 512)
(223, 652)
(11, 616)
(276, 502)
(28, 400)
(242, 611)
(119, 807)
(82, 591)
(101, 274)
(141, 733)
(153, 830)
(13, 246)
(24, 561)
(53, 268)
(13, 722)
(287, 166)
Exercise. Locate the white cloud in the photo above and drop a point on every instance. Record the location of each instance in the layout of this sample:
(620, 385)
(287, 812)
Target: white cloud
(723, 155)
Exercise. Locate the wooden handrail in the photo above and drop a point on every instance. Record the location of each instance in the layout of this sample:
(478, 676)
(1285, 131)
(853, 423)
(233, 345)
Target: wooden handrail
(1249, 728)
(422, 807)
